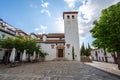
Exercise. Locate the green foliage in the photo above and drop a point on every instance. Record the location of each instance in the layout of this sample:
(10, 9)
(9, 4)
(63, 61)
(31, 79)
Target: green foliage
(85, 51)
(82, 51)
(43, 54)
(107, 29)
(21, 44)
(3, 36)
(73, 53)
(7, 43)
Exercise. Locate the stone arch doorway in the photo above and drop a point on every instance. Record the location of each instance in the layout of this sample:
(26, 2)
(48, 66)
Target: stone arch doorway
(60, 51)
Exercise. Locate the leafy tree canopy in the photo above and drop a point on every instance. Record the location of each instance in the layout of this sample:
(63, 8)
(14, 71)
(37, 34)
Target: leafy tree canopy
(107, 29)
(21, 44)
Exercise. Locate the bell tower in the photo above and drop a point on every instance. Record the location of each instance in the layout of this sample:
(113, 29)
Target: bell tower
(71, 35)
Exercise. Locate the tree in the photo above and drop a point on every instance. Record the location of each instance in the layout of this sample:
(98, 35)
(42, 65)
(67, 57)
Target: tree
(85, 51)
(73, 53)
(21, 44)
(82, 51)
(7, 42)
(107, 29)
(89, 47)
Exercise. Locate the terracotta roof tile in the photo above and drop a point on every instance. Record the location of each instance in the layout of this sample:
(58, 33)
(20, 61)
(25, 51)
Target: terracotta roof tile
(34, 34)
(51, 41)
(73, 12)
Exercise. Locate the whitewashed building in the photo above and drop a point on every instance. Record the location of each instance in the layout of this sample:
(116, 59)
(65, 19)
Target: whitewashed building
(99, 55)
(7, 30)
(58, 45)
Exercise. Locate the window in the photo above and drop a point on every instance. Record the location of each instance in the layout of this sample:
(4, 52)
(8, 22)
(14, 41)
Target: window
(52, 46)
(68, 53)
(73, 17)
(75, 55)
(68, 45)
(98, 51)
(68, 17)
(101, 51)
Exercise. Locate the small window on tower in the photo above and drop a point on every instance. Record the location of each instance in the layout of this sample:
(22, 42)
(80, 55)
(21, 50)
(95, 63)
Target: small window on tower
(68, 17)
(73, 17)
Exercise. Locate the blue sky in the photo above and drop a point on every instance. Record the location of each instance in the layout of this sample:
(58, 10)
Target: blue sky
(45, 16)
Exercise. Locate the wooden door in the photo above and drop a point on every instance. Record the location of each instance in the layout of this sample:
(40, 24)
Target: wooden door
(60, 52)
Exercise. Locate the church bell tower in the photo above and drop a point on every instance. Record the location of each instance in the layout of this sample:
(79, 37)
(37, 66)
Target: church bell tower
(71, 35)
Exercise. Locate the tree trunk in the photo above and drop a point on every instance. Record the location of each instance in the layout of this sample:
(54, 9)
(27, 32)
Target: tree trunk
(29, 58)
(115, 58)
(118, 60)
(106, 60)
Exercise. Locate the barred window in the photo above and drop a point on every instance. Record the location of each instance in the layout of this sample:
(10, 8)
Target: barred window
(52, 46)
(68, 46)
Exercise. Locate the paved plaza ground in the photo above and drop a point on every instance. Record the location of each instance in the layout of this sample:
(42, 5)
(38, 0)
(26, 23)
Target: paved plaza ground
(108, 67)
(56, 70)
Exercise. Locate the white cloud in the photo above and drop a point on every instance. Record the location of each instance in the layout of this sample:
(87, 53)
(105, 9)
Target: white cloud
(90, 11)
(44, 4)
(37, 29)
(71, 3)
(47, 12)
(33, 6)
(41, 29)
(59, 24)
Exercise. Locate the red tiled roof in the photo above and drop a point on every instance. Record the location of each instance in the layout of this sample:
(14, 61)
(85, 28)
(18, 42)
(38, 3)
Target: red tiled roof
(34, 34)
(11, 29)
(55, 35)
(20, 31)
(73, 12)
(51, 41)
(52, 35)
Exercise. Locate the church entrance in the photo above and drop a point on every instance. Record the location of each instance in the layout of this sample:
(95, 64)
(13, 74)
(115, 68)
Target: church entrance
(60, 53)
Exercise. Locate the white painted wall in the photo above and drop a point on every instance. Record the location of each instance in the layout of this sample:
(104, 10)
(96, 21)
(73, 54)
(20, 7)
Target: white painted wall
(101, 54)
(68, 53)
(33, 36)
(110, 58)
(93, 55)
(51, 52)
(71, 35)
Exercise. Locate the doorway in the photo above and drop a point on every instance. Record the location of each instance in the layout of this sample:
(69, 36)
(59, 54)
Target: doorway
(60, 53)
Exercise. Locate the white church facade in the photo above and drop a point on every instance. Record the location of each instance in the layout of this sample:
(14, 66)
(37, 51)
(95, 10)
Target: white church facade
(57, 45)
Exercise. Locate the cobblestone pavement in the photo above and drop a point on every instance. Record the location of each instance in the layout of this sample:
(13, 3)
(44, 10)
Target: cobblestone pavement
(108, 67)
(62, 70)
